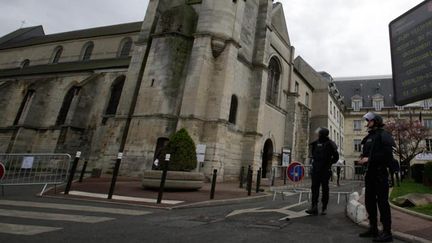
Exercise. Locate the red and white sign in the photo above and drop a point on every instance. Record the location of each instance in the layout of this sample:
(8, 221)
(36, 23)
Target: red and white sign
(2, 171)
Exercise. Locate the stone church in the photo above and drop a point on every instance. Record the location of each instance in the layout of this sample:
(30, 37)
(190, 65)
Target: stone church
(222, 69)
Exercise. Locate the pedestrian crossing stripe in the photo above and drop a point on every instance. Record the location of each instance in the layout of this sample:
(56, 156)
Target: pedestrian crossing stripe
(16, 229)
(74, 207)
(53, 216)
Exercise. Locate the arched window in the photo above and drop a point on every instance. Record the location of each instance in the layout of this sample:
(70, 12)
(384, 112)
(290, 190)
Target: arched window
(57, 54)
(25, 63)
(24, 107)
(125, 47)
(233, 110)
(67, 101)
(273, 81)
(87, 51)
(116, 90)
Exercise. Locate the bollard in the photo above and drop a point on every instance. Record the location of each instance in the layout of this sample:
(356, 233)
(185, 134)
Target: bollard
(249, 181)
(258, 180)
(285, 175)
(83, 171)
(72, 172)
(241, 176)
(213, 186)
(163, 178)
(115, 174)
(273, 175)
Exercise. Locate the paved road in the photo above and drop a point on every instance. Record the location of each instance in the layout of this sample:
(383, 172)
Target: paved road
(26, 218)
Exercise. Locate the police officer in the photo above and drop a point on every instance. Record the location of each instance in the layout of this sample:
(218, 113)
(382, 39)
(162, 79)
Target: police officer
(324, 154)
(377, 154)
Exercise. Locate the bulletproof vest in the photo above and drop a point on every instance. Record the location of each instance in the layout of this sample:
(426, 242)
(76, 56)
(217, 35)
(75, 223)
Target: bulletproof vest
(320, 155)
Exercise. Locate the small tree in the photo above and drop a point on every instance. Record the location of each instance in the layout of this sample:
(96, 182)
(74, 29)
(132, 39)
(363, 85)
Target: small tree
(408, 135)
(183, 151)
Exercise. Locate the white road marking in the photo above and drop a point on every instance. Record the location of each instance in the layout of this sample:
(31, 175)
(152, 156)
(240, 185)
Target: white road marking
(52, 216)
(73, 207)
(16, 229)
(284, 210)
(124, 198)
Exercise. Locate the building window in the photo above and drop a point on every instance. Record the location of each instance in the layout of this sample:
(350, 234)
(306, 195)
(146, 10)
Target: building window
(25, 63)
(87, 51)
(24, 107)
(378, 104)
(357, 125)
(67, 101)
(400, 108)
(125, 47)
(116, 91)
(357, 145)
(331, 107)
(427, 104)
(296, 87)
(57, 54)
(273, 81)
(429, 145)
(357, 104)
(334, 112)
(307, 99)
(427, 123)
(233, 110)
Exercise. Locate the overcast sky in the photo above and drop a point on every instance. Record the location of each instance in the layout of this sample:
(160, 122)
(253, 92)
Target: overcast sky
(342, 37)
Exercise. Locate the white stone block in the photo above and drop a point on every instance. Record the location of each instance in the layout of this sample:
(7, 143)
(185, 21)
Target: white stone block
(354, 196)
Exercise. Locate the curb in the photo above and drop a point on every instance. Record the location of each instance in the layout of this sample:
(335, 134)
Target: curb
(396, 234)
(413, 213)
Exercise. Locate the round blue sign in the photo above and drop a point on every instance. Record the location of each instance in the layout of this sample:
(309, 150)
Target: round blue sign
(295, 171)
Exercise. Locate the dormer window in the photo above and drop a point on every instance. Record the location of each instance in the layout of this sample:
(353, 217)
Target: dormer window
(427, 104)
(378, 102)
(356, 103)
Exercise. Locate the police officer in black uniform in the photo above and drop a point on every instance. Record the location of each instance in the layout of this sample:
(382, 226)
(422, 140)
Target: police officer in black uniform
(324, 154)
(377, 154)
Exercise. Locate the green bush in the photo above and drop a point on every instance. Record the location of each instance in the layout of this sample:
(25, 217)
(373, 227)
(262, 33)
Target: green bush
(183, 151)
(417, 172)
(427, 174)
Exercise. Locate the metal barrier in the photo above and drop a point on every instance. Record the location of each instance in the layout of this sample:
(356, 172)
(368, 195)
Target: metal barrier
(34, 169)
(304, 182)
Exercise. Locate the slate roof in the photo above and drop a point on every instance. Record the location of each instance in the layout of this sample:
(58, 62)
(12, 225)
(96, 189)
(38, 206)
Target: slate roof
(72, 35)
(366, 87)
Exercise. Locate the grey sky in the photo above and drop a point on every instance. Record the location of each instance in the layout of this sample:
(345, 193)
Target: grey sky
(342, 37)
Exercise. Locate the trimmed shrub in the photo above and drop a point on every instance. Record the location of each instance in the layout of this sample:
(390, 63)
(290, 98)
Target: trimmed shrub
(417, 172)
(427, 174)
(183, 151)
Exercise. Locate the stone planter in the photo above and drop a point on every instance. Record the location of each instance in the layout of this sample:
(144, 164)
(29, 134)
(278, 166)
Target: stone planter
(176, 180)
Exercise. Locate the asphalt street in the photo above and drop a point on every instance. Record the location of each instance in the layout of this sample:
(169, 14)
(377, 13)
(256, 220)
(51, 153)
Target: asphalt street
(25, 217)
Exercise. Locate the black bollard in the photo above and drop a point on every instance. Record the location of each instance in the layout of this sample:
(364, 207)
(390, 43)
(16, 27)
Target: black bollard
(213, 186)
(285, 175)
(258, 180)
(83, 171)
(241, 176)
(115, 174)
(163, 178)
(249, 181)
(72, 172)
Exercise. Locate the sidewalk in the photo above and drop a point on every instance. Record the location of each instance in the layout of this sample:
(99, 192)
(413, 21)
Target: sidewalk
(128, 190)
(406, 225)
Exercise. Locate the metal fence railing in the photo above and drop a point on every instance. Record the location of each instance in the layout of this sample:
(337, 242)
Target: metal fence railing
(35, 169)
(302, 181)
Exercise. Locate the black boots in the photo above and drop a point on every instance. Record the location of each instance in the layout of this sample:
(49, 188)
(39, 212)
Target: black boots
(324, 211)
(372, 232)
(313, 210)
(385, 236)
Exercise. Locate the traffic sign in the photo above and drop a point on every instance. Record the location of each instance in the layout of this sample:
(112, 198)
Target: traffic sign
(295, 171)
(2, 171)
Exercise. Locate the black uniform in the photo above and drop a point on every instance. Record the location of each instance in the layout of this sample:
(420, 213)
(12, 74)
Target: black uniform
(324, 154)
(377, 146)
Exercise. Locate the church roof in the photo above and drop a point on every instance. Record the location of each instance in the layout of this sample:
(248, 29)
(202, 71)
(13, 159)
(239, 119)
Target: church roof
(279, 23)
(12, 41)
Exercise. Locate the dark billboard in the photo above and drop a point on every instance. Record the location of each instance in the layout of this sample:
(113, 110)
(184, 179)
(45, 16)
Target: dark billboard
(411, 52)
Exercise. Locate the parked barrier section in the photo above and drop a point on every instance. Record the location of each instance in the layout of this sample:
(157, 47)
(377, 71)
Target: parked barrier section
(34, 169)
